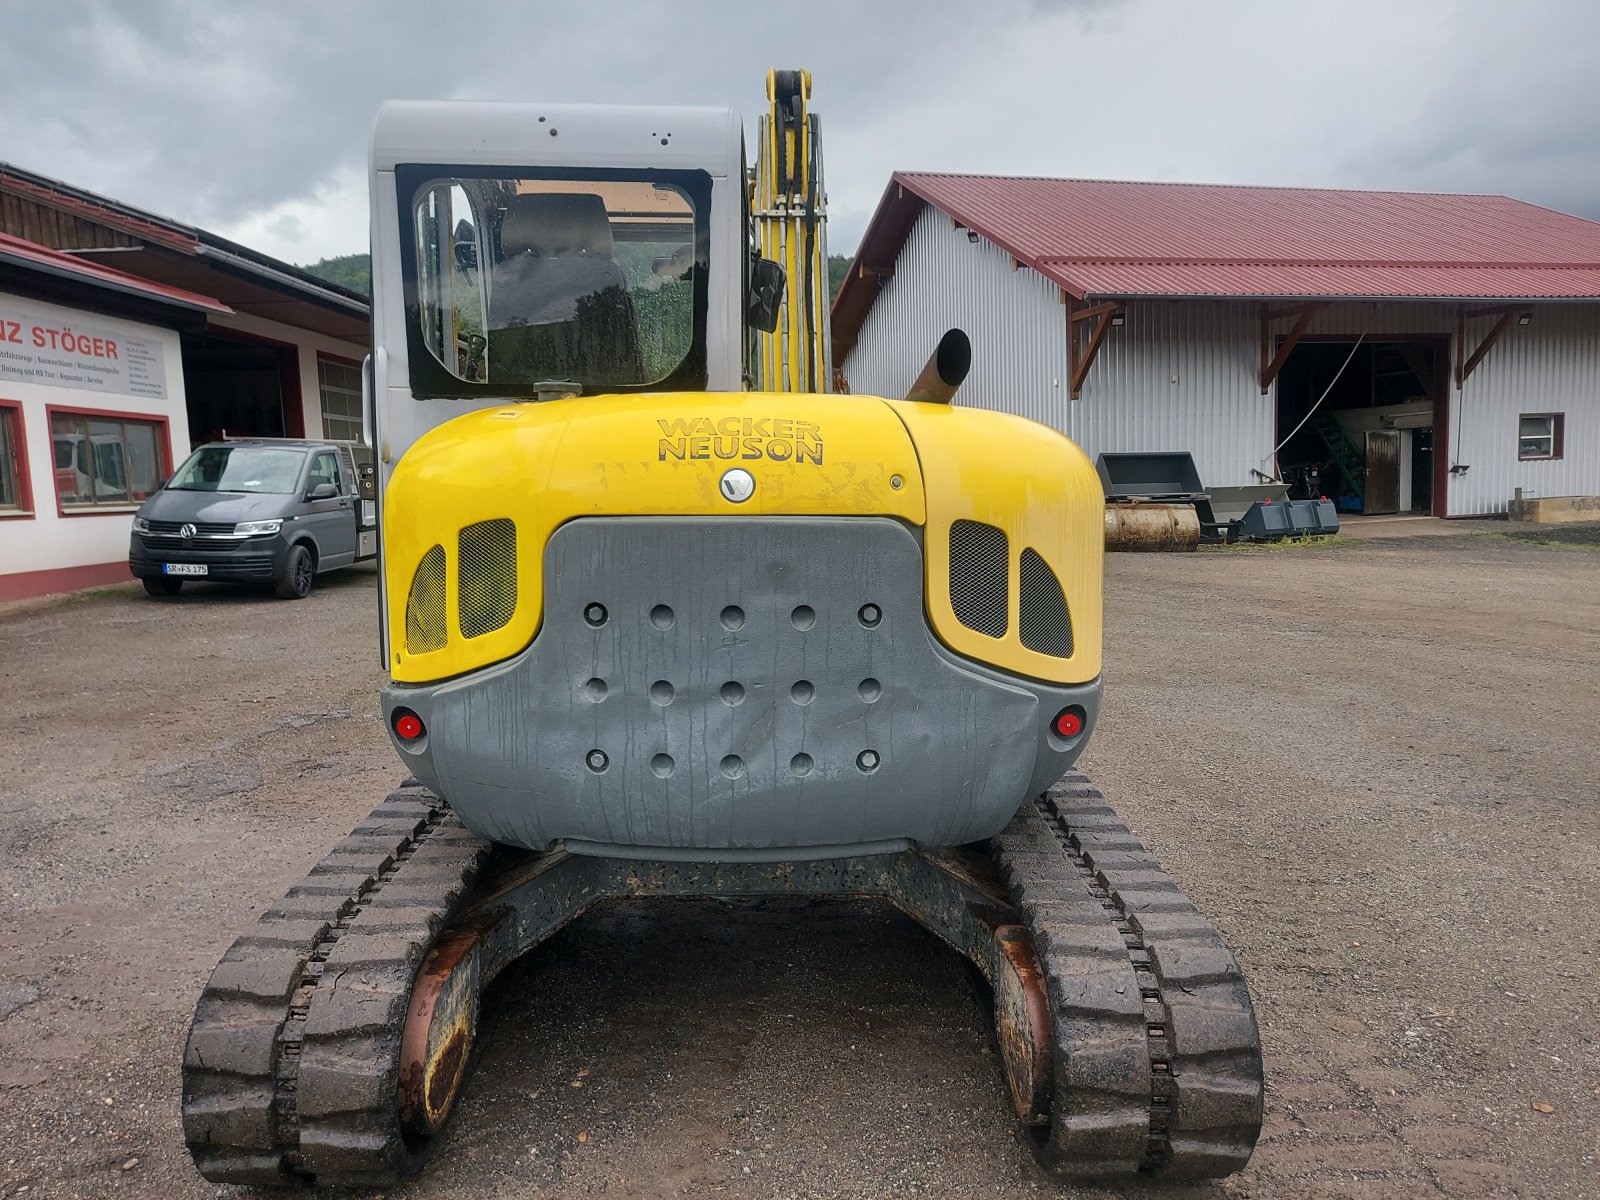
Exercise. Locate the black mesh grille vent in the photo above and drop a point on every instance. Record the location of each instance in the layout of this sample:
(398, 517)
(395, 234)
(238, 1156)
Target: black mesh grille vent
(1043, 621)
(487, 587)
(978, 563)
(425, 605)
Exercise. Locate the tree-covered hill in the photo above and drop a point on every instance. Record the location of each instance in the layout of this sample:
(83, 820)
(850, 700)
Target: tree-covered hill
(353, 271)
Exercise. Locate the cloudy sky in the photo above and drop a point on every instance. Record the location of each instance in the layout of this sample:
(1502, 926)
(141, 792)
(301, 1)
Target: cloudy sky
(251, 119)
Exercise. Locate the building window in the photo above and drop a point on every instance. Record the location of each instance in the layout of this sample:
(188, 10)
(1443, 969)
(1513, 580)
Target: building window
(341, 400)
(105, 460)
(1539, 435)
(15, 495)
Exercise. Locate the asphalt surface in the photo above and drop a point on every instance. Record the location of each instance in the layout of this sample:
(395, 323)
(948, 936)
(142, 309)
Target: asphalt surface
(1373, 765)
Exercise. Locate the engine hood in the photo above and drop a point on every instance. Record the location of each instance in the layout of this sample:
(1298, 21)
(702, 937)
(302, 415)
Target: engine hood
(686, 454)
(216, 507)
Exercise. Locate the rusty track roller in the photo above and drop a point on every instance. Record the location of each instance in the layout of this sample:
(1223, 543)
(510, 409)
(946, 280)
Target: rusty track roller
(1123, 1023)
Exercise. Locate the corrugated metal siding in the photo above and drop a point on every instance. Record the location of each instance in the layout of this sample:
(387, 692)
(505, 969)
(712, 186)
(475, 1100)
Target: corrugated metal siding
(1378, 318)
(1014, 318)
(1182, 375)
(1551, 365)
(1174, 377)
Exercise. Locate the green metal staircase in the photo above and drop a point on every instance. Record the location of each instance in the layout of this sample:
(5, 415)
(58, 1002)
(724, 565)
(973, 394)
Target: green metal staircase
(1351, 461)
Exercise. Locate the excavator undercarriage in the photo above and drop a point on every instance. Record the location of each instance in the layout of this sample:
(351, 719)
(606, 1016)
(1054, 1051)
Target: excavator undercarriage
(332, 1039)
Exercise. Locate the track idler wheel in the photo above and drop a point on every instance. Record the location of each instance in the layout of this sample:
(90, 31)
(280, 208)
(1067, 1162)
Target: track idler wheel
(1022, 1025)
(1146, 1058)
(441, 1025)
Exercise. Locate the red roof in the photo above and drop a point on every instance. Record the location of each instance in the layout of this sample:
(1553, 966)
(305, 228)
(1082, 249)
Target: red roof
(17, 252)
(1106, 239)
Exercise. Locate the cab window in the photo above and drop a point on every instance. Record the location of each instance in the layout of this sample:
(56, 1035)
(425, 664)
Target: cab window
(521, 281)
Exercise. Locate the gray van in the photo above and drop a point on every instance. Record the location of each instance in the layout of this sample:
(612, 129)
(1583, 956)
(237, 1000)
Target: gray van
(267, 510)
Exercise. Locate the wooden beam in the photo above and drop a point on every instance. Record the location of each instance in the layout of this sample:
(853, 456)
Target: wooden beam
(1084, 314)
(1080, 360)
(881, 272)
(1463, 370)
(1269, 373)
(1074, 350)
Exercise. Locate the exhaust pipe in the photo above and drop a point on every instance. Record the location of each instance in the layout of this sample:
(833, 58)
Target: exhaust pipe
(952, 359)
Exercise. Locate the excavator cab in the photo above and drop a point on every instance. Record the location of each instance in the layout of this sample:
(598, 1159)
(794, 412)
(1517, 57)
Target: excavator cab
(662, 618)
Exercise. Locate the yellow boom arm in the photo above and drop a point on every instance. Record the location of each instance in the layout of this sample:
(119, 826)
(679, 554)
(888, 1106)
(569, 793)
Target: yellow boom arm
(790, 210)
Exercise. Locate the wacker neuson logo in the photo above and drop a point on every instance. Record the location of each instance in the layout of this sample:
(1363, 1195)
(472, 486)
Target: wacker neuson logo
(777, 438)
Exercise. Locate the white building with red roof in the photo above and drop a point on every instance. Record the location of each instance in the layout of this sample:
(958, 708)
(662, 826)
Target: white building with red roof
(1414, 352)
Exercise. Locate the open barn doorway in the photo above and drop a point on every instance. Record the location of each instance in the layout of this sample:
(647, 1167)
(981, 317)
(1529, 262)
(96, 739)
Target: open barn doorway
(1365, 422)
(240, 387)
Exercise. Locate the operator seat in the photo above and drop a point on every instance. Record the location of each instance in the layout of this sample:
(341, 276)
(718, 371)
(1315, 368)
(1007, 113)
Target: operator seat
(559, 306)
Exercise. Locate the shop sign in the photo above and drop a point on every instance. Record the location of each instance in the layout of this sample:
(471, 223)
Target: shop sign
(56, 353)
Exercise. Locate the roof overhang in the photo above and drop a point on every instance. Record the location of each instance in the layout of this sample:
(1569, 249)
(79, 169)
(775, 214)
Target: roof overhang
(180, 260)
(42, 261)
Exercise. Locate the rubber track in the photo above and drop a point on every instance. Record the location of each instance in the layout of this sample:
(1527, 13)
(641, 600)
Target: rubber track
(291, 1070)
(292, 1063)
(1158, 1059)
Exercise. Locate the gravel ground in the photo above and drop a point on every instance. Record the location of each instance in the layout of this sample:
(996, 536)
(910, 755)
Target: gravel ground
(1374, 765)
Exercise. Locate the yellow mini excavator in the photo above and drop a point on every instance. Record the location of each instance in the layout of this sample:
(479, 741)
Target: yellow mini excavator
(662, 618)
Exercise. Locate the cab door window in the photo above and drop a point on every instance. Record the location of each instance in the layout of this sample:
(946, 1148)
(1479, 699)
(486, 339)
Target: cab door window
(324, 469)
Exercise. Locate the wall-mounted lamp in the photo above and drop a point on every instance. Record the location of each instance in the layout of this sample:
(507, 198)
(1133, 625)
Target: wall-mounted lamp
(1524, 317)
(972, 235)
(1118, 317)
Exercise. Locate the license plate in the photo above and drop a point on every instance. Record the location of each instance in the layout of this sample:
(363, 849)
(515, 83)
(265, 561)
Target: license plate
(185, 569)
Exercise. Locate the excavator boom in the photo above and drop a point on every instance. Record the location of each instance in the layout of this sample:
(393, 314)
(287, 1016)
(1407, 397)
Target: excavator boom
(789, 211)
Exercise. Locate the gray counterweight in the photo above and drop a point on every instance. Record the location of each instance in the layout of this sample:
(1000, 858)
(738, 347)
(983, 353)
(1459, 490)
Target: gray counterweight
(749, 688)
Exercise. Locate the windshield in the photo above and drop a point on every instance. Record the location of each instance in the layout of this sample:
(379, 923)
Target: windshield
(239, 469)
(516, 281)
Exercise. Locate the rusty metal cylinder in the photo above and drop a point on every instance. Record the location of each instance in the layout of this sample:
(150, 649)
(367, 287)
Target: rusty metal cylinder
(952, 359)
(1147, 527)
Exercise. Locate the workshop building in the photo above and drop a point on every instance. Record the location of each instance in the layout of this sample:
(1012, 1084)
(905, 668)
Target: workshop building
(126, 338)
(1398, 352)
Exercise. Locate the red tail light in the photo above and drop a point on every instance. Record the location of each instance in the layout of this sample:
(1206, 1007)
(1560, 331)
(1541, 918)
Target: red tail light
(408, 725)
(1068, 722)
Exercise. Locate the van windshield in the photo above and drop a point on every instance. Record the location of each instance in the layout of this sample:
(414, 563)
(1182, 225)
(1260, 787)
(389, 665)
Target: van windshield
(239, 469)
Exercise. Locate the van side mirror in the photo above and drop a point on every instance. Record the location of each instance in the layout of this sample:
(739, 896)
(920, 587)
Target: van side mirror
(766, 294)
(323, 491)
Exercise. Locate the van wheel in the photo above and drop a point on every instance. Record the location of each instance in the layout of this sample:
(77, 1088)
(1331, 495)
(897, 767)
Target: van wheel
(299, 569)
(161, 585)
